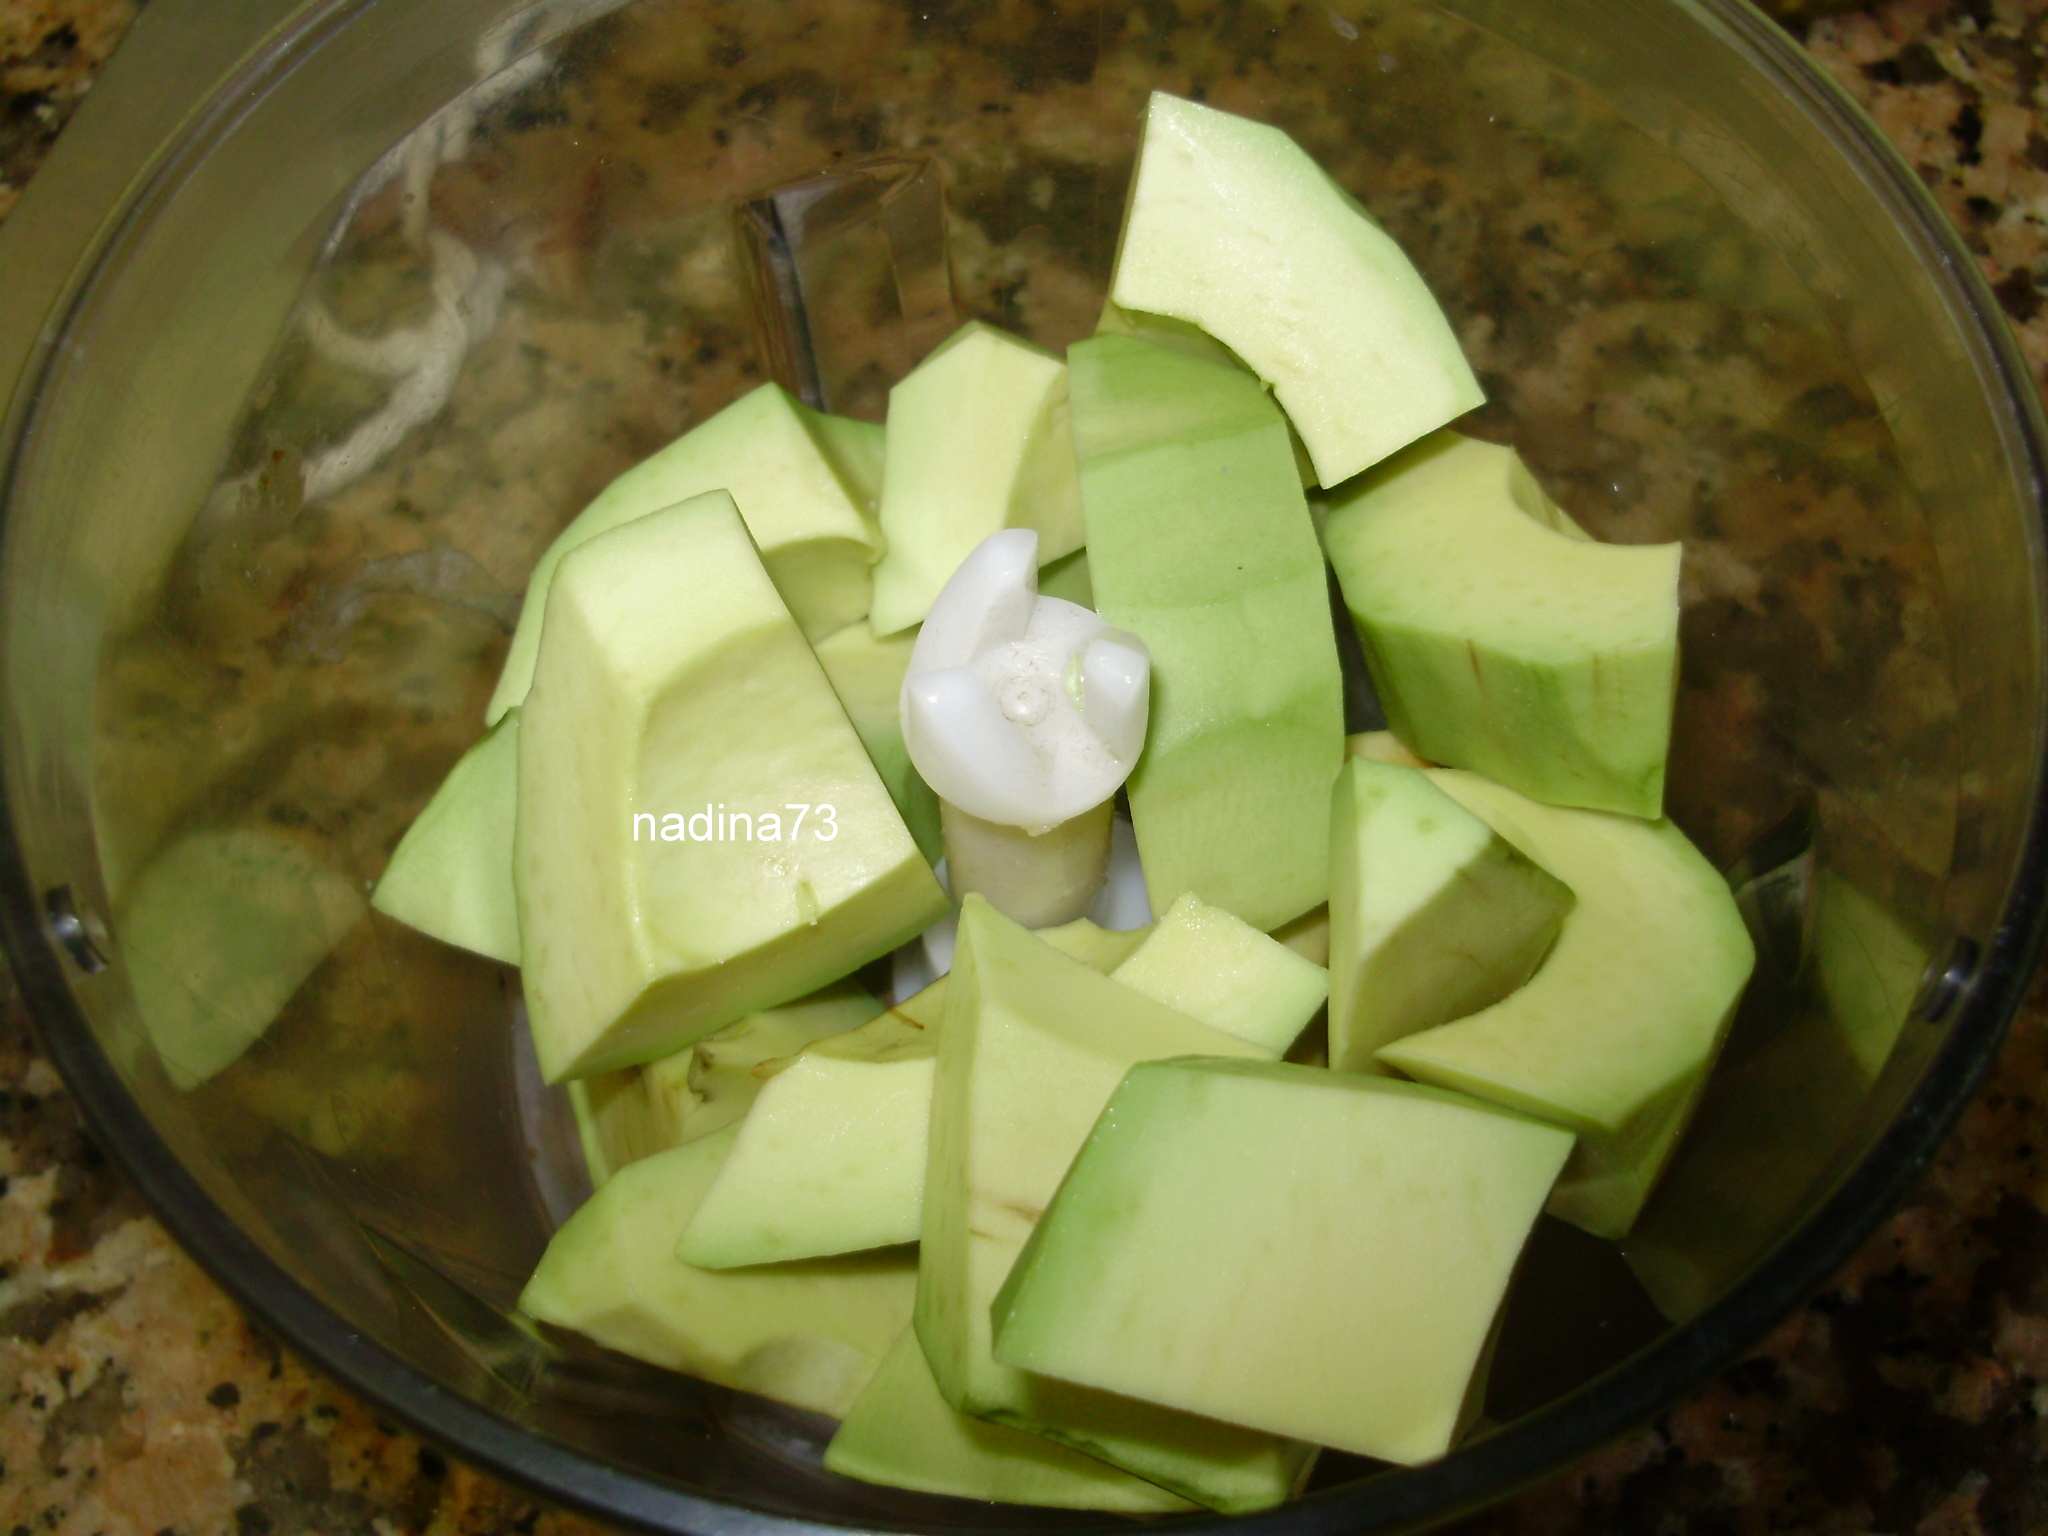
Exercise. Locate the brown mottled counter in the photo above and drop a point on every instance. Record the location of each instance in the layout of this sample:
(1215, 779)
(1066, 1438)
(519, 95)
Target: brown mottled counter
(1910, 1396)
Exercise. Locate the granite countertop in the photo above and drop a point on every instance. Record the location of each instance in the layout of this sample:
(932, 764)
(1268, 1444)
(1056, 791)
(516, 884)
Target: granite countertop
(1910, 1396)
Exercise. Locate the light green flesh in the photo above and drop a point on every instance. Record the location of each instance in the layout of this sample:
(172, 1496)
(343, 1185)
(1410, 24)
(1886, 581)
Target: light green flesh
(626, 1115)
(902, 1434)
(815, 531)
(1199, 543)
(809, 1334)
(834, 1161)
(218, 930)
(1068, 580)
(1032, 1046)
(1543, 659)
(1433, 914)
(979, 440)
(867, 674)
(1165, 331)
(829, 1160)
(1616, 1030)
(1180, 336)
(1192, 1260)
(672, 679)
(451, 874)
(1232, 228)
(855, 450)
(1101, 949)
(925, 1009)
(1226, 974)
(1308, 935)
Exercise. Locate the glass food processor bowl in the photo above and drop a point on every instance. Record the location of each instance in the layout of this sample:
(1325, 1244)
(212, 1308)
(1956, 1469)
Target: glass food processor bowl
(325, 317)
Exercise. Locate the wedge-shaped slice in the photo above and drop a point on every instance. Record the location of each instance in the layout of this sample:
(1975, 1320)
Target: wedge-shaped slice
(1499, 643)
(451, 874)
(1032, 1046)
(1433, 914)
(979, 439)
(831, 1157)
(1199, 543)
(673, 687)
(810, 1335)
(867, 674)
(795, 485)
(1312, 1253)
(902, 1434)
(1614, 1034)
(636, 1112)
(218, 930)
(1226, 974)
(1233, 228)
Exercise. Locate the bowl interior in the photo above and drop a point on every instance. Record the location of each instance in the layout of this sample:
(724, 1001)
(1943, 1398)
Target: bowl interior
(367, 340)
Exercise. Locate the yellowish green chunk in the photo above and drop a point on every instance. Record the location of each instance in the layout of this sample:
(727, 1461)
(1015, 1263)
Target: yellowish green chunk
(810, 1334)
(1614, 1034)
(797, 484)
(451, 874)
(1312, 1253)
(700, 833)
(902, 1434)
(1225, 973)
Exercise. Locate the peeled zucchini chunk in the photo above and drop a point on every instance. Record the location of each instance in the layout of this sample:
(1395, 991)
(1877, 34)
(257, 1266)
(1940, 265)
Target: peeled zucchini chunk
(1225, 973)
(979, 439)
(1200, 544)
(1311, 1253)
(1233, 228)
(700, 832)
(1433, 914)
(451, 874)
(217, 931)
(1615, 1033)
(636, 1112)
(810, 1335)
(799, 480)
(1032, 1046)
(901, 1433)
(1499, 637)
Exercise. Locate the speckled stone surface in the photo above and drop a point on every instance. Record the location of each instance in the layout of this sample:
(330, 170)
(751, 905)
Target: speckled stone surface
(1910, 1396)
